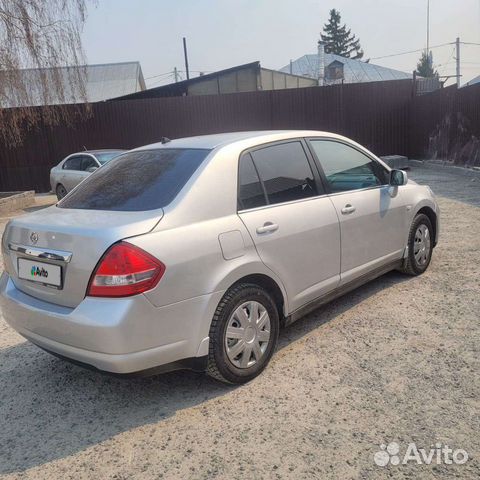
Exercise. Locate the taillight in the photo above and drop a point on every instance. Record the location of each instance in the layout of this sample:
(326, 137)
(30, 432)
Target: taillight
(125, 270)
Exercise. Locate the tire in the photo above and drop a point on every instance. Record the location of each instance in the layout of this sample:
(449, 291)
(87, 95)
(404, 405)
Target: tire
(418, 260)
(242, 309)
(61, 191)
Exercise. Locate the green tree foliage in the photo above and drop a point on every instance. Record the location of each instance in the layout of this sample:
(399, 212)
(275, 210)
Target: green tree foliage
(339, 39)
(424, 66)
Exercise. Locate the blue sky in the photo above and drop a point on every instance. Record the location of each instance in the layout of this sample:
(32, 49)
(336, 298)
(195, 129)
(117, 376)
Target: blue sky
(225, 33)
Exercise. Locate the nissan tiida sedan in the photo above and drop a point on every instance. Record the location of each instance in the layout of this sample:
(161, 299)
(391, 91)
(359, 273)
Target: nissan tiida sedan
(193, 253)
(77, 167)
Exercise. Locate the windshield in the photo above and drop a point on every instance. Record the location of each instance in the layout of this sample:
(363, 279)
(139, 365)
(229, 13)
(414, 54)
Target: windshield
(137, 181)
(104, 157)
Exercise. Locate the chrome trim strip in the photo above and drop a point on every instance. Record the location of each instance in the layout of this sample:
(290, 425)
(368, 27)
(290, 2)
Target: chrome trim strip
(58, 255)
(272, 205)
(306, 199)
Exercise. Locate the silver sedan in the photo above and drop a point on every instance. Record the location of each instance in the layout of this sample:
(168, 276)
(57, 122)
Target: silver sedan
(77, 167)
(193, 253)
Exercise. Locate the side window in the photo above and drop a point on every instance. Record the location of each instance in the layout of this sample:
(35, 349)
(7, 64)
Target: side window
(250, 190)
(285, 172)
(346, 168)
(88, 162)
(73, 163)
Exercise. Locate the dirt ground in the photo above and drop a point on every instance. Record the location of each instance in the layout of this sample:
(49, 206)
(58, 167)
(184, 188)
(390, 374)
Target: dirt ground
(396, 360)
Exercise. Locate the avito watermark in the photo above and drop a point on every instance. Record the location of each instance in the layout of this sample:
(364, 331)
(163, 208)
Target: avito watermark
(437, 454)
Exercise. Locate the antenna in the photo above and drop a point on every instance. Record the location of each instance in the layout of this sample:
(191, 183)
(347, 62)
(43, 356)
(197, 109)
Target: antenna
(164, 140)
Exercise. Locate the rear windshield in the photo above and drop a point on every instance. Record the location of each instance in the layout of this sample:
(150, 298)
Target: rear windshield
(137, 181)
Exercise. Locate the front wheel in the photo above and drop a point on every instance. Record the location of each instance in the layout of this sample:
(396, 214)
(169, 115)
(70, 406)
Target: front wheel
(420, 245)
(243, 334)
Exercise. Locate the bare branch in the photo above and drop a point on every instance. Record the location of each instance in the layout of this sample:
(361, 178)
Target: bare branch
(41, 36)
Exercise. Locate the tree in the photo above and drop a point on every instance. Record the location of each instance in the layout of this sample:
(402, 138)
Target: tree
(340, 40)
(424, 66)
(40, 35)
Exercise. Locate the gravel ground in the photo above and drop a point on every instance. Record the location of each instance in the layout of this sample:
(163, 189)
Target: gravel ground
(396, 360)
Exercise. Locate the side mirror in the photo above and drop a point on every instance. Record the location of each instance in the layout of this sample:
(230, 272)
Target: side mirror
(91, 169)
(398, 178)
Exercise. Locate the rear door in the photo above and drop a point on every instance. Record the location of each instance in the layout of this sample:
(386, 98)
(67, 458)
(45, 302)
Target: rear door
(88, 162)
(71, 172)
(373, 215)
(292, 222)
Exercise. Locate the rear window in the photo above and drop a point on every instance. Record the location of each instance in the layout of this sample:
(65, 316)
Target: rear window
(104, 157)
(137, 181)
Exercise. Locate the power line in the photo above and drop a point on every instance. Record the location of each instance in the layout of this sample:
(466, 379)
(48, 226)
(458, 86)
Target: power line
(159, 75)
(412, 51)
(168, 74)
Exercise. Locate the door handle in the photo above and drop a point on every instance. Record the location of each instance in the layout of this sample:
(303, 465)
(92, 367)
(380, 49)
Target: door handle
(348, 209)
(267, 227)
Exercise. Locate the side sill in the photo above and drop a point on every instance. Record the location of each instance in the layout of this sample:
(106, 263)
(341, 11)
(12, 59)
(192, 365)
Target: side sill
(348, 287)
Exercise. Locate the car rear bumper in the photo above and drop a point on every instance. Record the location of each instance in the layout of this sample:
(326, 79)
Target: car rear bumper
(122, 335)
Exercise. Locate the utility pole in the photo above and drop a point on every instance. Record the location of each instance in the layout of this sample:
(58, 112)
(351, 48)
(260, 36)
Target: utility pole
(457, 45)
(175, 74)
(186, 57)
(428, 27)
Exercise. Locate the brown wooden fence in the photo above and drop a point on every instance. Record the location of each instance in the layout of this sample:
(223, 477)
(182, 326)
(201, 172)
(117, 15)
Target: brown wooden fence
(383, 116)
(445, 124)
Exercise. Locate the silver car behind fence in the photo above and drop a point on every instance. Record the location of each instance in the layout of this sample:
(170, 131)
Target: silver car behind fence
(194, 253)
(75, 168)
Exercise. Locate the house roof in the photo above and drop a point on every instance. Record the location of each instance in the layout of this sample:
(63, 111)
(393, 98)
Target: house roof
(473, 81)
(103, 81)
(355, 71)
(180, 88)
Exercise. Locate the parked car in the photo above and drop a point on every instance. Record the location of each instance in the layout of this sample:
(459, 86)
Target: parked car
(77, 167)
(193, 253)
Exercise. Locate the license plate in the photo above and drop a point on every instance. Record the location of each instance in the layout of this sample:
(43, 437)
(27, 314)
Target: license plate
(40, 272)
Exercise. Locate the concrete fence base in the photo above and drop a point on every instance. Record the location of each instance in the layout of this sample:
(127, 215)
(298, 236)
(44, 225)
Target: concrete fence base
(11, 201)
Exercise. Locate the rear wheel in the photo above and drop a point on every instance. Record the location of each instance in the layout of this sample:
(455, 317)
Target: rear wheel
(243, 334)
(420, 245)
(61, 191)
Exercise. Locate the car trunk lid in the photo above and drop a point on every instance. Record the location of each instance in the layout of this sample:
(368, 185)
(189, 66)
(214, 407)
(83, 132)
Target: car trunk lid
(72, 239)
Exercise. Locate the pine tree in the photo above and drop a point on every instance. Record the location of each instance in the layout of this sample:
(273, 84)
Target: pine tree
(340, 40)
(424, 66)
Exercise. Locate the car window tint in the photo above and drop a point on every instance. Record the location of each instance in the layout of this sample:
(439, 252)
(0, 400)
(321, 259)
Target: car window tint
(73, 163)
(346, 168)
(285, 172)
(250, 194)
(137, 181)
(88, 162)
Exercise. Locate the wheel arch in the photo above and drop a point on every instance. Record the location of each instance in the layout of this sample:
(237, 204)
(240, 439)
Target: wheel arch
(271, 286)
(432, 216)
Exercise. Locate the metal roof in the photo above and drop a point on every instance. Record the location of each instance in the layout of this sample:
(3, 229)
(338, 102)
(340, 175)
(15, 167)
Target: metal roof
(473, 81)
(178, 89)
(104, 81)
(355, 71)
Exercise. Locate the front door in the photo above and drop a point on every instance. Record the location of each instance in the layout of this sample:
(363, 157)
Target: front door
(372, 214)
(292, 222)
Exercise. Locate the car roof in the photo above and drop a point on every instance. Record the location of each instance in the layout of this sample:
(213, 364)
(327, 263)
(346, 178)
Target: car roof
(105, 150)
(223, 139)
